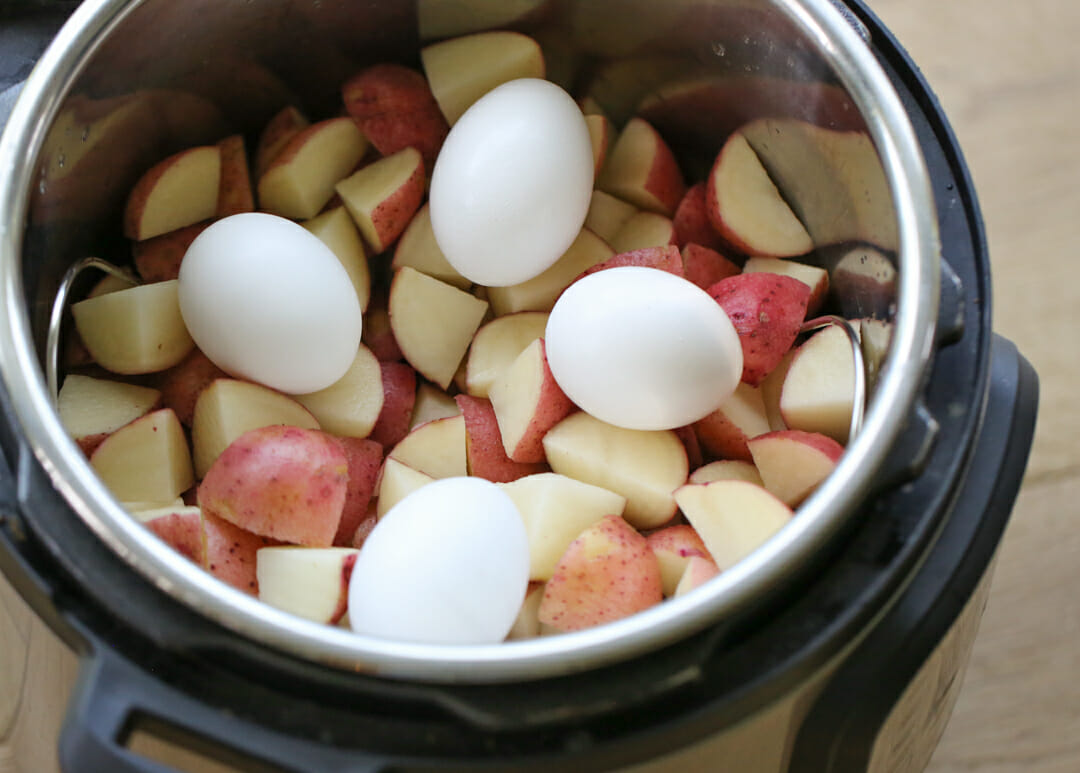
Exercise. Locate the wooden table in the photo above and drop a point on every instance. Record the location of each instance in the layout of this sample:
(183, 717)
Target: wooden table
(1006, 73)
(1008, 76)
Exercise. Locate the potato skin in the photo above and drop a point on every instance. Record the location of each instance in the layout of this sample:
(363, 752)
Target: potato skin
(281, 482)
(767, 311)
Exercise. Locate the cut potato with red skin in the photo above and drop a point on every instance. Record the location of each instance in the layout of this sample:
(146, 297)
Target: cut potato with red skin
(747, 210)
(134, 331)
(181, 384)
(643, 229)
(793, 463)
(234, 190)
(698, 571)
(92, 408)
(607, 215)
(281, 482)
(300, 181)
(673, 547)
(691, 220)
(485, 455)
(286, 124)
(643, 466)
(607, 573)
(642, 170)
(814, 277)
(767, 311)
(180, 528)
(146, 460)
(432, 403)
(727, 469)
(231, 553)
(179, 191)
(733, 517)
(705, 267)
(436, 448)
(383, 196)
(688, 437)
(497, 344)
(665, 258)
(528, 402)
(311, 583)
(158, 259)
(818, 394)
(725, 432)
(395, 109)
(399, 397)
(377, 334)
(351, 405)
(228, 408)
(463, 69)
(364, 459)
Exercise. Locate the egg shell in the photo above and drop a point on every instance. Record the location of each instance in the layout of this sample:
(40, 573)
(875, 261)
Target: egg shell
(267, 301)
(448, 564)
(642, 349)
(512, 184)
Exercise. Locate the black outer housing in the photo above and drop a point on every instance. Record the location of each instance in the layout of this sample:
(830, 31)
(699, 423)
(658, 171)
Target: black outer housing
(150, 661)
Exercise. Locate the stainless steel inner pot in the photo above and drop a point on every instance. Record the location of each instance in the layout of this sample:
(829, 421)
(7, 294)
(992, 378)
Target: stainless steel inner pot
(126, 81)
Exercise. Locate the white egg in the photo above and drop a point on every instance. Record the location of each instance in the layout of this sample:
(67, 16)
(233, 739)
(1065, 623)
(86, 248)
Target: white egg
(642, 348)
(448, 564)
(267, 301)
(512, 183)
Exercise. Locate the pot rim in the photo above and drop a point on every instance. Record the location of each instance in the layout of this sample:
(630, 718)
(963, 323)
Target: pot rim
(818, 519)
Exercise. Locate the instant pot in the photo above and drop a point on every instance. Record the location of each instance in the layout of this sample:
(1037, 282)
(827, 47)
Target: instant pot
(837, 646)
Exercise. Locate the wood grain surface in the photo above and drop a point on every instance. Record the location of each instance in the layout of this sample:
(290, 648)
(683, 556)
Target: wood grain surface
(1008, 76)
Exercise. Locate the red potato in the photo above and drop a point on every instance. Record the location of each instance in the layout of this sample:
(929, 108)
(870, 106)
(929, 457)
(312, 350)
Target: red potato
(432, 403)
(698, 571)
(643, 466)
(158, 259)
(673, 547)
(643, 229)
(234, 191)
(378, 335)
(814, 277)
(363, 458)
(485, 456)
(312, 583)
(727, 469)
(767, 311)
(351, 405)
(792, 463)
(606, 574)
(395, 109)
(642, 169)
(399, 398)
(691, 220)
(364, 528)
(231, 553)
(497, 344)
(178, 191)
(181, 384)
(181, 529)
(146, 460)
(382, 197)
(436, 449)
(136, 330)
(747, 210)
(662, 258)
(607, 215)
(705, 267)
(528, 402)
(688, 437)
(92, 408)
(286, 124)
(463, 69)
(300, 181)
(227, 408)
(281, 482)
(725, 432)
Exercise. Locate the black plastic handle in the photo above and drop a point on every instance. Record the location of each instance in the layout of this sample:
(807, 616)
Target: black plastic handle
(839, 734)
(113, 697)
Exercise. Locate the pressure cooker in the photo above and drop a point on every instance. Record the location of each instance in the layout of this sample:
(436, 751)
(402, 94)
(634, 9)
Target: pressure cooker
(837, 646)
